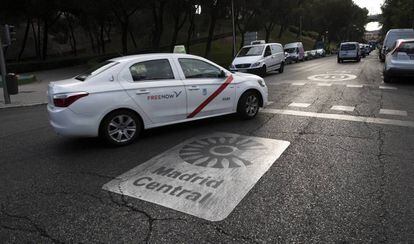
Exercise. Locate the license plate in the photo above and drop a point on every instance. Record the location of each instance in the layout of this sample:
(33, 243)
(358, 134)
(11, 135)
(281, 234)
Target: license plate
(243, 70)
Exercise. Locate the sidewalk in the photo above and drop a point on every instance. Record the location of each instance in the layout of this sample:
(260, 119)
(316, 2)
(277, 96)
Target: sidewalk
(35, 93)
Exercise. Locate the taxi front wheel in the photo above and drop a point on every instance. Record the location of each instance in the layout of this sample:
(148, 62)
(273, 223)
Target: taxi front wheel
(120, 127)
(248, 105)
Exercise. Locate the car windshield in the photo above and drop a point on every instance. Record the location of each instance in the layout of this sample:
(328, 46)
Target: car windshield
(291, 50)
(251, 51)
(348, 47)
(393, 38)
(96, 70)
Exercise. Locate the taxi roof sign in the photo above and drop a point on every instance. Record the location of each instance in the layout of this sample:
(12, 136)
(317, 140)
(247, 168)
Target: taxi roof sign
(179, 49)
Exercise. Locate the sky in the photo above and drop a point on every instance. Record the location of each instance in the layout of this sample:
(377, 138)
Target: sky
(374, 7)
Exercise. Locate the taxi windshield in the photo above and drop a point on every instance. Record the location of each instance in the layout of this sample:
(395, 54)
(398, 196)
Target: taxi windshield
(251, 51)
(96, 70)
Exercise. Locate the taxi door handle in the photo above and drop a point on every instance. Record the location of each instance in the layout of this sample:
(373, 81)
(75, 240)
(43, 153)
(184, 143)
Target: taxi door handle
(141, 92)
(194, 88)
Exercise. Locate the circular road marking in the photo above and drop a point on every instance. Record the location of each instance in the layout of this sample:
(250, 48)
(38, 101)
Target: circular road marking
(332, 77)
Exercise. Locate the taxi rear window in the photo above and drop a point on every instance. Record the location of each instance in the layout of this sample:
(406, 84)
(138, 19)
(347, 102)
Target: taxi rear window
(159, 69)
(96, 70)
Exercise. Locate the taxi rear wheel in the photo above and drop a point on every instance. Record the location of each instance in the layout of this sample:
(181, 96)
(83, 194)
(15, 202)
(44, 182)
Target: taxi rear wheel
(120, 127)
(248, 105)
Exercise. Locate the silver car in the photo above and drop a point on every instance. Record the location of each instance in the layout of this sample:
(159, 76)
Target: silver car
(400, 61)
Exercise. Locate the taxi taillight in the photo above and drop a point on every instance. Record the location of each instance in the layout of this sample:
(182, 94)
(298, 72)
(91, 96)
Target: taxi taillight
(65, 100)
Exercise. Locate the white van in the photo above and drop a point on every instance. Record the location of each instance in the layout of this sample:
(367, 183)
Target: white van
(349, 51)
(392, 36)
(295, 52)
(259, 59)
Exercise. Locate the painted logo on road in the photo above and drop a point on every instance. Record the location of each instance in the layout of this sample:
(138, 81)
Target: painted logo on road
(205, 176)
(332, 77)
(220, 152)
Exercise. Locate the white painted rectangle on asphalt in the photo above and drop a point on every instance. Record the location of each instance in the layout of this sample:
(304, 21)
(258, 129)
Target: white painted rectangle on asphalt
(298, 84)
(343, 108)
(205, 176)
(393, 112)
(324, 84)
(388, 88)
(354, 86)
(341, 117)
(299, 105)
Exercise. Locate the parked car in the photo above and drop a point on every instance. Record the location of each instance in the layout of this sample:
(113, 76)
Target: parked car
(295, 52)
(399, 62)
(320, 52)
(307, 55)
(349, 51)
(390, 38)
(259, 59)
(362, 50)
(313, 54)
(119, 98)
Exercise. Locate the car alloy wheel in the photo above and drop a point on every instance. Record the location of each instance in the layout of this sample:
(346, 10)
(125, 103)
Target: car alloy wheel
(122, 128)
(252, 105)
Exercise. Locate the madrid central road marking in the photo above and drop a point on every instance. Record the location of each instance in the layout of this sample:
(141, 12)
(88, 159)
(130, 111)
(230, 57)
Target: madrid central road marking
(341, 117)
(205, 176)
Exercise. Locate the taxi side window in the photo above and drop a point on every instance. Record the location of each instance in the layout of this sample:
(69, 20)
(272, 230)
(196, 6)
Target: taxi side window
(152, 70)
(194, 68)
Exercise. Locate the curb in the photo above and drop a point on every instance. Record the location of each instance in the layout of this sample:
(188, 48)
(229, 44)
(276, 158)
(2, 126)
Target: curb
(23, 105)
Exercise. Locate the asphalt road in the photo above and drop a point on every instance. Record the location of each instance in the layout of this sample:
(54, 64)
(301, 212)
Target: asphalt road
(347, 176)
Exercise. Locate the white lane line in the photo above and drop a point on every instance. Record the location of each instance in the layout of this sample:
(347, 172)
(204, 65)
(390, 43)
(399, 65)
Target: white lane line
(324, 84)
(298, 84)
(388, 88)
(341, 117)
(393, 112)
(343, 108)
(299, 105)
(354, 86)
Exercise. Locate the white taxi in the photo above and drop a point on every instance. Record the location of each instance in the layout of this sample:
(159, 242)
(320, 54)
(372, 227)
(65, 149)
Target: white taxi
(123, 96)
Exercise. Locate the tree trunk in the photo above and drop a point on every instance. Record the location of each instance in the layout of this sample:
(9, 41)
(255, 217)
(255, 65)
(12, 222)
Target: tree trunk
(268, 30)
(190, 30)
(72, 33)
(91, 40)
(158, 15)
(213, 20)
(102, 38)
(133, 39)
(45, 38)
(26, 33)
(125, 37)
(281, 30)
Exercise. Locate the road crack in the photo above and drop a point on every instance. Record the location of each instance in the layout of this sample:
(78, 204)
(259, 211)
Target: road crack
(36, 228)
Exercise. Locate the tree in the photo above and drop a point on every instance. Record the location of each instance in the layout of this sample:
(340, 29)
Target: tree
(246, 14)
(123, 10)
(397, 14)
(179, 12)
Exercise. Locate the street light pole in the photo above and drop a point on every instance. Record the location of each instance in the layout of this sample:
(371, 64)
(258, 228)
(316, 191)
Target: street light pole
(3, 75)
(234, 28)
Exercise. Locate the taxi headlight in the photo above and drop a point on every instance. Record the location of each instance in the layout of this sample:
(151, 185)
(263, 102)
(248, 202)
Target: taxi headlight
(261, 83)
(256, 64)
